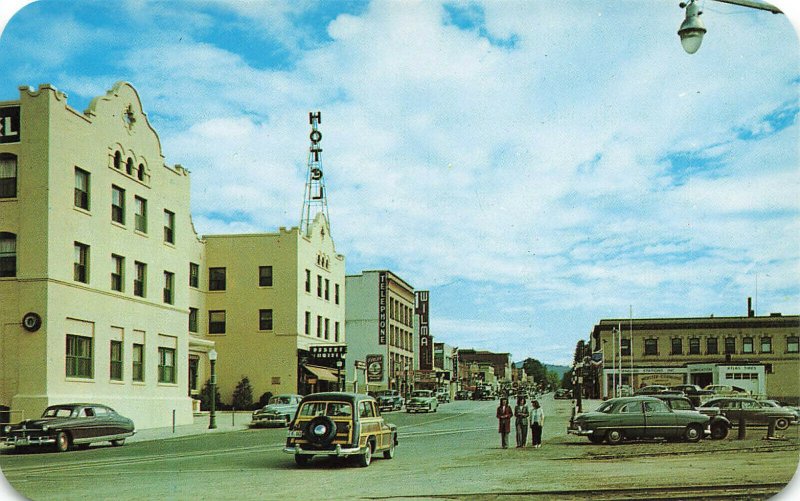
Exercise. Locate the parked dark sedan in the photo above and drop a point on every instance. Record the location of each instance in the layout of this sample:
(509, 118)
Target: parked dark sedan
(67, 425)
(751, 410)
(638, 417)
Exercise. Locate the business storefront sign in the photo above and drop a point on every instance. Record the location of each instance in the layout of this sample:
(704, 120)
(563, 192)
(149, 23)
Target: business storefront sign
(425, 339)
(374, 368)
(382, 307)
(9, 124)
(336, 352)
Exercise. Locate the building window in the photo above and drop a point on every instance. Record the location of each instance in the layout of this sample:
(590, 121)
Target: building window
(115, 369)
(711, 346)
(169, 287)
(319, 326)
(327, 328)
(8, 254)
(129, 167)
(265, 320)
(117, 273)
(319, 285)
(140, 172)
(117, 204)
(166, 365)
(194, 275)
(651, 346)
(139, 279)
(81, 189)
(118, 160)
(265, 276)
(8, 176)
(308, 280)
(327, 289)
(81, 265)
(308, 323)
(730, 345)
(169, 227)
(793, 344)
(137, 368)
(694, 346)
(79, 357)
(336, 293)
(216, 322)
(336, 332)
(216, 279)
(766, 345)
(140, 218)
(677, 346)
(747, 345)
(193, 319)
(624, 343)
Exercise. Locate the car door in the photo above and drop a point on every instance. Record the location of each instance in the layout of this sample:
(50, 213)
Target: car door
(659, 420)
(630, 419)
(84, 424)
(731, 409)
(753, 412)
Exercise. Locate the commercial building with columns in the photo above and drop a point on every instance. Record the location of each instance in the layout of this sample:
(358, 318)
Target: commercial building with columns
(105, 283)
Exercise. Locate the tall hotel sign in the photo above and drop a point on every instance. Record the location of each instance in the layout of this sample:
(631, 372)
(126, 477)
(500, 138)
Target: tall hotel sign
(9, 124)
(425, 339)
(382, 307)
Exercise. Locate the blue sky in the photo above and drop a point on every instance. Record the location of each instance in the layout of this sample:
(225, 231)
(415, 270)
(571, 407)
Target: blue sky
(537, 166)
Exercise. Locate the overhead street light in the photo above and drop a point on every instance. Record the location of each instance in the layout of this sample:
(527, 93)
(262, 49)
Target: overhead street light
(692, 29)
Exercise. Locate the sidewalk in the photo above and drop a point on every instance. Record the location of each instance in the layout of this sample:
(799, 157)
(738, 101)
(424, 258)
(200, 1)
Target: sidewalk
(225, 420)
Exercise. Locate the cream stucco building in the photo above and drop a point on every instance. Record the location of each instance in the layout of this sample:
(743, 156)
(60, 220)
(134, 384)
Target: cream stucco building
(108, 295)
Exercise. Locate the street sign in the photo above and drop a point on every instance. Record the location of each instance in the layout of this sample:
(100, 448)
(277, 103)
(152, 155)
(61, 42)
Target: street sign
(360, 364)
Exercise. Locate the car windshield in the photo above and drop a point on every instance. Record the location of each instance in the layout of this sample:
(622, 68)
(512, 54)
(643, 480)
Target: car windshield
(332, 409)
(57, 412)
(421, 393)
(281, 400)
(384, 394)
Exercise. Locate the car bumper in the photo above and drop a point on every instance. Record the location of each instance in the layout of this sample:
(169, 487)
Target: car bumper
(577, 430)
(418, 407)
(338, 451)
(23, 441)
(273, 421)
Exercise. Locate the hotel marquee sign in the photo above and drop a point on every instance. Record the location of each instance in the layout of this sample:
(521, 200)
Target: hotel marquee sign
(9, 124)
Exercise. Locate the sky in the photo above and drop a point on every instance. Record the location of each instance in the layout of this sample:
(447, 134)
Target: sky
(538, 166)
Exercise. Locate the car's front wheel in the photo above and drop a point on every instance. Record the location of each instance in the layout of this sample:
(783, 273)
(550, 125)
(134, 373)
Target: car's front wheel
(62, 441)
(365, 459)
(719, 431)
(693, 433)
(781, 423)
(614, 437)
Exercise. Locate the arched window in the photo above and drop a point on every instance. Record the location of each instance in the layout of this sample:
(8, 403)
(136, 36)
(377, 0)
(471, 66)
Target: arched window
(8, 175)
(140, 172)
(129, 167)
(118, 160)
(8, 254)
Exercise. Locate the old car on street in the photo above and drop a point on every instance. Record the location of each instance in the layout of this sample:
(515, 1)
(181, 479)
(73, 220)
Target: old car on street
(638, 417)
(342, 425)
(749, 409)
(66, 425)
(422, 400)
(389, 400)
(278, 412)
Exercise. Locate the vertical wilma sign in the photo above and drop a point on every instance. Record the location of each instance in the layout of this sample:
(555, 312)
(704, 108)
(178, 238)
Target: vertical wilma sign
(425, 340)
(382, 307)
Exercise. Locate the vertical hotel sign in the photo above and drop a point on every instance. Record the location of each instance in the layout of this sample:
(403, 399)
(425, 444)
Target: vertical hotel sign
(382, 307)
(9, 124)
(425, 339)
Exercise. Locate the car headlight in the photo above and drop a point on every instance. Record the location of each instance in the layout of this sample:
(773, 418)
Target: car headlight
(7, 429)
(45, 428)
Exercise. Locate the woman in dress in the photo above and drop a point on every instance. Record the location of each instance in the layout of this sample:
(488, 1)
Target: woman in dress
(504, 421)
(537, 423)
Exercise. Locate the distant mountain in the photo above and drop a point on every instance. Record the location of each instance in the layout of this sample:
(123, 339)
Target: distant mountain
(558, 369)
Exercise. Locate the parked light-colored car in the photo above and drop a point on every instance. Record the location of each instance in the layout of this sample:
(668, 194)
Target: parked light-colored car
(422, 400)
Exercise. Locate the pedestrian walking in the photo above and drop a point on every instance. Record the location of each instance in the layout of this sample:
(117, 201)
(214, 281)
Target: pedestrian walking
(504, 421)
(537, 423)
(522, 413)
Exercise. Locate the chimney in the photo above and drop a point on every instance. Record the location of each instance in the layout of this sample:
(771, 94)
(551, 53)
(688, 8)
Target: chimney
(750, 312)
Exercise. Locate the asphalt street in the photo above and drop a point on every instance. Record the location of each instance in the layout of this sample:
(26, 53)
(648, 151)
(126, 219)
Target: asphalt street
(454, 453)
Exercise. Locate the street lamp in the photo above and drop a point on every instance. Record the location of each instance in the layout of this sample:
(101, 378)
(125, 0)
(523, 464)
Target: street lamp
(212, 420)
(692, 29)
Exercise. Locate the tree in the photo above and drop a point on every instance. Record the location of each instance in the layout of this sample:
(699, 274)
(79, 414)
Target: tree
(264, 400)
(205, 397)
(243, 394)
(535, 369)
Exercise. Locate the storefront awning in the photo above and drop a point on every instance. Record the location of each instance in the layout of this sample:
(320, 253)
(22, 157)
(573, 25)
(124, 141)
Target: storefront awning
(323, 373)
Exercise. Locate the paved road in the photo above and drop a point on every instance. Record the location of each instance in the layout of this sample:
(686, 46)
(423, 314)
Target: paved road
(453, 453)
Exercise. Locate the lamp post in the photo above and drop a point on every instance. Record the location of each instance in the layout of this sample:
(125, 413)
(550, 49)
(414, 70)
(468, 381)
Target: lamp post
(692, 29)
(212, 419)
